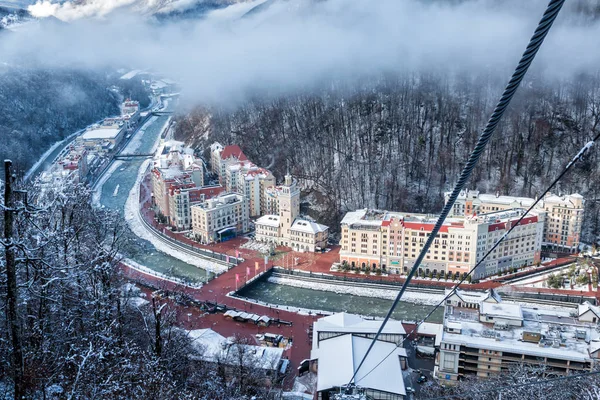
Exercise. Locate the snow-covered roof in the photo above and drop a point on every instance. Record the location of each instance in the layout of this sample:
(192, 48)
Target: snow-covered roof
(351, 323)
(209, 343)
(502, 310)
(340, 356)
(457, 326)
(101, 133)
(213, 347)
(506, 200)
(493, 295)
(559, 334)
(268, 220)
(587, 306)
(302, 225)
(130, 74)
(562, 200)
(358, 216)
(430, 329)
(231, 313)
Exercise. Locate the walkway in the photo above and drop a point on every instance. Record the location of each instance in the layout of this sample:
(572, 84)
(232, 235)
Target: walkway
(216, 291)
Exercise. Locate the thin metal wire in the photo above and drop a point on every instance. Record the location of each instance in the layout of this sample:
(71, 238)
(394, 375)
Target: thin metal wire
(535, 42)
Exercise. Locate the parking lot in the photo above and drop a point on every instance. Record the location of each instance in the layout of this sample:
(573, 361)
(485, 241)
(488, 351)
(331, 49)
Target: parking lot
(419, 365)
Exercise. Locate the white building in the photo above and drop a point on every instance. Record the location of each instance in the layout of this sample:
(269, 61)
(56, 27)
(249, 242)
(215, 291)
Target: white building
(102, 138)
(339, 344)
(485, 335)
(220, 218)
(212, 347)
(177, 176)
(562, 227)
(287, 229)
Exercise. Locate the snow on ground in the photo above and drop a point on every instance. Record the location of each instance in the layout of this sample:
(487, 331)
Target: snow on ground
(50, 150)
(134, 220)
(409, 296)
(258, 246)
(539, 281)
(142, 268)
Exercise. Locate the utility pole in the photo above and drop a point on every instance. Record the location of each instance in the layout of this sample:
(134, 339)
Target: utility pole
(11, 283)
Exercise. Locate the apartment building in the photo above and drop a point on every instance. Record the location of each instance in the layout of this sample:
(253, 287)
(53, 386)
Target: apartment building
(393, 241)
(219, 218)
(484, 335)
(223, 156)
(240, 175)
(270, 201)
(182, 197)
(287, 228)
(562, 227)
(250, 180)
(176, 172)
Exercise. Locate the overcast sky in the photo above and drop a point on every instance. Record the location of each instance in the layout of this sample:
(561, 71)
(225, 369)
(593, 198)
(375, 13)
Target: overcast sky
(296, 43)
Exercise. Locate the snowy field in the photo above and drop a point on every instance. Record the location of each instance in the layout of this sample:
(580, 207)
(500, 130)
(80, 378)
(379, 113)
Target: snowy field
(539, 281)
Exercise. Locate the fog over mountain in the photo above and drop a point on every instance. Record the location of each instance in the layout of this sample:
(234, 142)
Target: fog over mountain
(295, 44)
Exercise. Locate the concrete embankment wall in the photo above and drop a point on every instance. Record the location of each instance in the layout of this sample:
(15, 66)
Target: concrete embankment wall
(539, 298)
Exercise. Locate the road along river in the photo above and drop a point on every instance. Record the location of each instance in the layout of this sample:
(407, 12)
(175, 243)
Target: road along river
(124, 174)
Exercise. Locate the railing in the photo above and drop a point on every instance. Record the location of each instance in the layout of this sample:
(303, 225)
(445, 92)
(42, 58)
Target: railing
(200, 251)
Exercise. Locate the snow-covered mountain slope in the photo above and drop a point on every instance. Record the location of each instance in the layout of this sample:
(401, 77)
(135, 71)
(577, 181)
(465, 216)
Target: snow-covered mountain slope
(10, 17)
(67, 10)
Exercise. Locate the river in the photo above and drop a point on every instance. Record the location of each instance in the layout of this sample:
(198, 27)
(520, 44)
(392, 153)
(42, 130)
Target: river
(125, 174)
(328, 301)
(143, 252)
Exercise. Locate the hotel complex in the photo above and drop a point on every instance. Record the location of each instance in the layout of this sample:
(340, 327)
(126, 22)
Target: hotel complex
(219, 218)
(286, 228)
(277, 206)
(562, 227)
(392, 241)
(177, 183)
(484, 335)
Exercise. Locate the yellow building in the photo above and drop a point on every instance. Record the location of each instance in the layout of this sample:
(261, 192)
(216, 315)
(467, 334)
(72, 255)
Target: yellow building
(562, 227)
(393, 241)
(219, 218)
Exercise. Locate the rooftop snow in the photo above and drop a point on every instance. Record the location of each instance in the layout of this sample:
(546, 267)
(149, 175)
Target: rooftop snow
(268, 220)
(302, 225)
(339, 357)
(213, 347)
(351, 323)
(101, 133)
(502, 310)
(480, 335)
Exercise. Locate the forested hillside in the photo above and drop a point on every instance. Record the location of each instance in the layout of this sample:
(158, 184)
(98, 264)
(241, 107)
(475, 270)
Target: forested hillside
(79, 331)
(40, 107)
(399, 142)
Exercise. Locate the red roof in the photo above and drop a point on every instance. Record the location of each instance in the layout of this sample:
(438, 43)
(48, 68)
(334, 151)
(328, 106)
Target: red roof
(505, 225)
(233, 151)
(426, 227)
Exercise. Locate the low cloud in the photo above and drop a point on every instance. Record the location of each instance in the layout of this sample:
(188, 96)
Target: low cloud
(293, 45)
